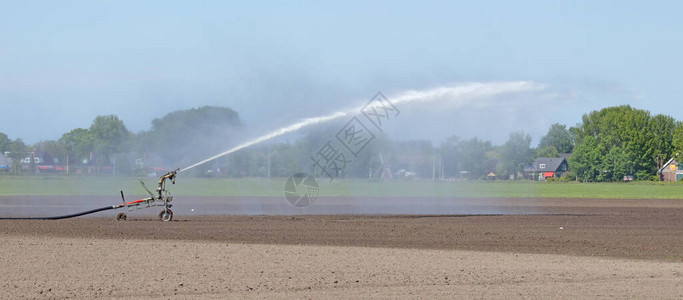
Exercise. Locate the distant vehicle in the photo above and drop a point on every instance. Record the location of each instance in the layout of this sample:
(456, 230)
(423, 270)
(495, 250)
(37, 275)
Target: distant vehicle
(27, 160)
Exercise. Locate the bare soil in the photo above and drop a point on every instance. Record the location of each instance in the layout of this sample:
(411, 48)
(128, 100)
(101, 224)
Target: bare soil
(570, 248)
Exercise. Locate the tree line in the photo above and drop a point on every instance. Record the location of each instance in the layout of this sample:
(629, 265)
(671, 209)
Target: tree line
(175, 138)
(606, 145)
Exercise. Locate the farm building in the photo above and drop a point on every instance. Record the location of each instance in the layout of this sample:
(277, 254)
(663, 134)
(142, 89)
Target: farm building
(44, 162)
(5, 162)
(546, 167)
(670, 171)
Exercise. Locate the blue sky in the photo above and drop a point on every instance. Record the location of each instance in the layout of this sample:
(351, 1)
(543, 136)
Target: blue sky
(64, 63)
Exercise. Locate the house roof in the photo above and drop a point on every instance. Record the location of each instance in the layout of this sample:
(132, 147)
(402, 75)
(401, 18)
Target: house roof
(552, 164)
(665, 165)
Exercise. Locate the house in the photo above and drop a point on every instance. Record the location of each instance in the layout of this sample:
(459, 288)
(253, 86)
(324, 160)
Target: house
(491, 165)
(670, 171)
(5, 162)
(546, 167)
(152, 165)
(44, 162)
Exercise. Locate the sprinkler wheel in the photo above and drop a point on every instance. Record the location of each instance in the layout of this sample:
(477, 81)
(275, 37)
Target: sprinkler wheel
(121, 216)
(166, 215)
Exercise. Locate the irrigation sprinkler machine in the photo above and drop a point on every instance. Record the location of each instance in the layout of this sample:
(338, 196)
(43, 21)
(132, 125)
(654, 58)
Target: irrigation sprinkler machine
(162, 197)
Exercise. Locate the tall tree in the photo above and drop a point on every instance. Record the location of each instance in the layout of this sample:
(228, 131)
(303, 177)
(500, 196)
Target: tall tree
(662, 129)
(472, 156)
(559, 137)
(110, 136)
(18, 151)
(547, 151)
(4, 142)
(77, 144)
(630, 142)
(677, 142)
(185, 136)
(586, 160)
(450, 156)
(53, 148)
(516, 154)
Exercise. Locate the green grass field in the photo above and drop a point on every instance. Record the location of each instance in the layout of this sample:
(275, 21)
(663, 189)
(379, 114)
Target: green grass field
(57, 185)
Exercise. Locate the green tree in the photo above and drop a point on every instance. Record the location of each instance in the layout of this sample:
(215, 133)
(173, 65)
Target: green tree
(516, 154)
(616, 164)
(109, 134)
(368, 160)
(185, 136)
(285, 159)
(548, 151)
(677, 142)
(621, 140)
(77, 145)
(472, 156)
(586, 160)
(662, 129)
(18, 151)
(4, 142)
(54, 148)
(559, 137)
(450, 153)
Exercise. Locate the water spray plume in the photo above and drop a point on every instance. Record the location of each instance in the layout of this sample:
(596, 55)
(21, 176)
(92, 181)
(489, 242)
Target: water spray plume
(460, 94)
(276, 133)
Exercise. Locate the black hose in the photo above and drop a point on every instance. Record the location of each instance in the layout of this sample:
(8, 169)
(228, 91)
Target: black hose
(64, 216)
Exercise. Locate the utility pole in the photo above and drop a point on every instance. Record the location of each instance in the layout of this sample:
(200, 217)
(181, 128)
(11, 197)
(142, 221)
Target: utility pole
(33, 159)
